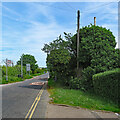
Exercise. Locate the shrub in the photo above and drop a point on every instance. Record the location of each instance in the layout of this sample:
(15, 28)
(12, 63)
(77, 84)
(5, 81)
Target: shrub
(87, 74)
(27, 76)
(51, 82)
(38, 70)
(13, 71)
(76, 83)
(10, 80)
(107, 84)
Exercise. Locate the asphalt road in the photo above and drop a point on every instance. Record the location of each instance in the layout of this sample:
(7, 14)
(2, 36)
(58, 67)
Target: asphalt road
(22, 100)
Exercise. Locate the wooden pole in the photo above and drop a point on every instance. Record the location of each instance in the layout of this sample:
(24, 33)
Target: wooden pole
(22, 66)
(78, 17)
(6, 70)
(94, 21)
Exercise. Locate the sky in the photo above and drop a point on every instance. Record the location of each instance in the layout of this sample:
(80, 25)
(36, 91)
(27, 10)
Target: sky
(27, 26)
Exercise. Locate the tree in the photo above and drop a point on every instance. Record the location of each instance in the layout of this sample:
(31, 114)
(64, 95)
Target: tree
(58, 59)
(28, 59)
(96, 51)
(97, 54)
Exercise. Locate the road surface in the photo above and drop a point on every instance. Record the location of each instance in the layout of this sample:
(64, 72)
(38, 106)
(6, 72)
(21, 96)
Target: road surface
(24, 99)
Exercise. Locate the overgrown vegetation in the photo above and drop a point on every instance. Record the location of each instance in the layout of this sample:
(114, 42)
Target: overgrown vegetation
(14, 72)
(97, 54)
(28, 59)
(63, 95)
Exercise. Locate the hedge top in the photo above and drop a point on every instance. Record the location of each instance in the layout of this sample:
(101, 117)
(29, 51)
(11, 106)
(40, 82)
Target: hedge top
(117, 70)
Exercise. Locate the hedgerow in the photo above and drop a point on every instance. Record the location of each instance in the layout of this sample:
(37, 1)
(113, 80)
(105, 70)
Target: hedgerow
(107, 84)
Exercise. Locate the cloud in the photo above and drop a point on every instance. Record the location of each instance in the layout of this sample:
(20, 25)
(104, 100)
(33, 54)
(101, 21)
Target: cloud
(35, 32)
(32, 39)
(60, 0)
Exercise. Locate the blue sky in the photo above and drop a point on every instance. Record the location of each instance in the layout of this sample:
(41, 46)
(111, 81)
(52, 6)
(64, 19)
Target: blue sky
(27, 26)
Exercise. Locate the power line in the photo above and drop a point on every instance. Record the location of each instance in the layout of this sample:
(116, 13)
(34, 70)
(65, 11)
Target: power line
(105, 13)
(98, 7)
(66, 10)
(70, 6)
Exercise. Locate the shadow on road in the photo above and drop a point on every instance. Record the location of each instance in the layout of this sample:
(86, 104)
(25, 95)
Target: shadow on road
(32, 86)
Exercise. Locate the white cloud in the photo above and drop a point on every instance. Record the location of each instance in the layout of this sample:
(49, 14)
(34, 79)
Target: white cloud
(59, 1)
(33, 38)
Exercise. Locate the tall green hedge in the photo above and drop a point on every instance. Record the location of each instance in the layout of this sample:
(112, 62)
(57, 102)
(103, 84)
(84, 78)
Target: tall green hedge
(107, 84)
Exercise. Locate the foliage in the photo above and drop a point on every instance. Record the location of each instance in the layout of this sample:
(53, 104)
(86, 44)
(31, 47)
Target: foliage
(82, 99)
(27, 76)
(107, 84)
(76, 83)
(97, 54)
(13, 71)
(28, 59)
(40, 71)
(11, 79)
(51, 82)
(87, 73)
(58, 59)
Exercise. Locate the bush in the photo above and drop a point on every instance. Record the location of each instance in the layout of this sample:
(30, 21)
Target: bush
(11, 79)
(27, 76)
(38, 70)
(107, 84)
(51, 82)
(76, 83)
(87, 74)
(41, 71)
(13, 71)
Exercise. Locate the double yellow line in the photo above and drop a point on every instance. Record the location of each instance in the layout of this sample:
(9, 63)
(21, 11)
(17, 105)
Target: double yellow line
(34, 105)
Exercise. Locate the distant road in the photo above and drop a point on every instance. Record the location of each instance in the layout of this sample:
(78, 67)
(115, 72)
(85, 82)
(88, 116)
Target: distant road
(22, 99)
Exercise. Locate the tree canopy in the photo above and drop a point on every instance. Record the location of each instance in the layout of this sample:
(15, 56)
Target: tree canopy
(28, 59)
(97, 53)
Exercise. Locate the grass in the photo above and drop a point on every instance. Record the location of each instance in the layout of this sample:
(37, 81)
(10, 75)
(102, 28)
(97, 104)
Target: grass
(79, 98)
(12, 79)
(37, 74)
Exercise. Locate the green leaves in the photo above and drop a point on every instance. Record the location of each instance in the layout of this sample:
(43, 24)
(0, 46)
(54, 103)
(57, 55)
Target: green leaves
(107, 84)
(28, 59)
(96, 53)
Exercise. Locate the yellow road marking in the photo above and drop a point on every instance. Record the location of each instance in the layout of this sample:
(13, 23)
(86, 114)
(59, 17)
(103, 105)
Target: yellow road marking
(34, 105)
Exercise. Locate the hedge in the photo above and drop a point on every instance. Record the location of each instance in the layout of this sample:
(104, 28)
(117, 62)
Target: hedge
(107, 84)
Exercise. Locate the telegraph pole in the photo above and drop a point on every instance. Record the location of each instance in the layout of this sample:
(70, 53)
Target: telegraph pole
(6, 70)
(21, 66)
(94, 21)
(78, 17)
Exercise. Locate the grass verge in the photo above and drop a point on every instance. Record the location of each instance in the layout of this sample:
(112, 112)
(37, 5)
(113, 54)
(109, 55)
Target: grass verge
(61, 95)
(12, 79)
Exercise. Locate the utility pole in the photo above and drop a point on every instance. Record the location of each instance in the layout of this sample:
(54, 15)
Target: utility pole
(94, 21)
(22, 66)
(78, 17)
(6, 70)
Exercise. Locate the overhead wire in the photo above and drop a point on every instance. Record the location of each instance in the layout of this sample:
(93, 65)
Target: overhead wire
(97, 7)
(65, 10)
(70, 6)
(74, 10)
